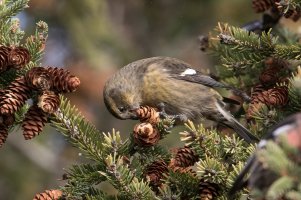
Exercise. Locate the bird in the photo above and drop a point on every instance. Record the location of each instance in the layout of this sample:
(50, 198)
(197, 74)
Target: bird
(173, 86)
(259, 176)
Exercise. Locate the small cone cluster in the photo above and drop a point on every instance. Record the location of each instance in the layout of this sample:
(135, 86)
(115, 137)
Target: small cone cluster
(14, 96)
(33, 122)
(181, 162)
(184, 157)
(275, 97)
(268, 92)
(49, 195)
(148, 114)
(208, 191)
(262, 5)
(293, 13)
(13, 57)
(271, 73)
(155, 172)
(45, 85)
(5, 122)
(146, 133)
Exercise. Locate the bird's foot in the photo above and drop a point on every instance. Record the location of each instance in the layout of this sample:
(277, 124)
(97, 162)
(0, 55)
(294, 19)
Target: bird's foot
(164, 115)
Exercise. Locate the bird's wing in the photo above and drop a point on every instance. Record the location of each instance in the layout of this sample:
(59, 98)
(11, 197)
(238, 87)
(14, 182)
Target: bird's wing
(183, 71)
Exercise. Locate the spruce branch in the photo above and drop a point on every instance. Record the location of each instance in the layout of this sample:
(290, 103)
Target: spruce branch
(211, 170)
(185, 183)
(69, 121)
(82, 179)
(280, 187)
(289, 52)
(36, 44)
(123, 179)
(11, 8)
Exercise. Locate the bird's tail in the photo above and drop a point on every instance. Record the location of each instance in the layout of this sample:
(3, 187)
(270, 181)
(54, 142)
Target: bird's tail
(238, 127)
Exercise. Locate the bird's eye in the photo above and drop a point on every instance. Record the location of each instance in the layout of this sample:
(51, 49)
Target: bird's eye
(121, 108)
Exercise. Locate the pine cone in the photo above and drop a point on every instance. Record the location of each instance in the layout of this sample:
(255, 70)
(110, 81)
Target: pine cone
(4, 51)
(148, 114)
(3, 134)
(33, 122)
(186, 170)
(8, 120)
(277, 96)
(275, 62)
(269, 76)
(208, 191)
(293, 14)
(154, 173)
(184, 157)
(14, 96)
(18, 57)
(38, 78)
(49, 195)
(62, 80)
(262, 5)
(49, 102)
(146, 135)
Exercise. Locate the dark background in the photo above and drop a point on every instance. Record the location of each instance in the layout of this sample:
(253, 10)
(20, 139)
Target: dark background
(93, 38)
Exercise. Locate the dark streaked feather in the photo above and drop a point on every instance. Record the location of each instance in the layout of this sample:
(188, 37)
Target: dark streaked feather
(230, 101)
(202, 79)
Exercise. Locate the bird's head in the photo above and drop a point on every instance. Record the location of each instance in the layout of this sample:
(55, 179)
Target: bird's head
(121, 102)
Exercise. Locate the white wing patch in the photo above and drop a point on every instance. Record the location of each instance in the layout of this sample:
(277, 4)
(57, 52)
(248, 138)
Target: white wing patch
(188, 72)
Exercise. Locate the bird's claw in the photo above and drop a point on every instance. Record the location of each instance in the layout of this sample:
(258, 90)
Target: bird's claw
(164, 115)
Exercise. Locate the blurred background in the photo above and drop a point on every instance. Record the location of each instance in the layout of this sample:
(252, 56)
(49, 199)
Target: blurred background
(93, 39)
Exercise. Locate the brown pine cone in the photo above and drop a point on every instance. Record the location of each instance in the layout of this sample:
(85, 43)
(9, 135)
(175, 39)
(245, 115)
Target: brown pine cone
(148, 114)
(33, 122)
(277, 96)
(38, 78)
(262, 5)
(8, 120)
(275, 62)
(154, 173)
(258, 96)
(186, 170)
(49, 195)
(49, 102)
(18, 57)
(146, 135)
(3, 134)
(4, 62)
(185, 157)
(62, 80)
(208, 191)
(293, 14)
(14, 96)
(269, 76)
(253, 109)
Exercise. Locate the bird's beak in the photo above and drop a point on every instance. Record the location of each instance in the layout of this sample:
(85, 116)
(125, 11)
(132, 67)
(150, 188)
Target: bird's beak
(133, 112)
